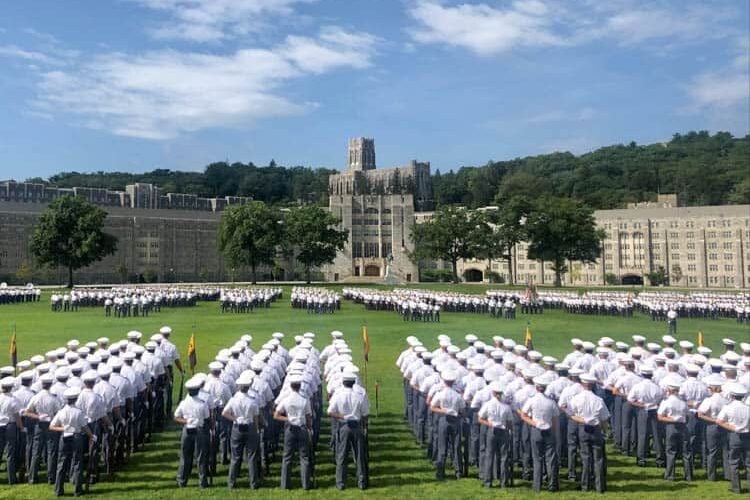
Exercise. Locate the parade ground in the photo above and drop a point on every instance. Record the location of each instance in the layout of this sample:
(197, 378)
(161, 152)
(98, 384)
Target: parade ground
(398, 467)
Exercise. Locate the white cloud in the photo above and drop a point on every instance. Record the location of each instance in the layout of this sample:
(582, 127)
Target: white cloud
(15, 52)
(490, 30)
(213, 20)
(162, 94)
(486, 30)
(721, 90)
(559, 115)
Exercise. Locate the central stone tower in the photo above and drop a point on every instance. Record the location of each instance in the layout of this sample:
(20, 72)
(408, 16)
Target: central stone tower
(361, 154)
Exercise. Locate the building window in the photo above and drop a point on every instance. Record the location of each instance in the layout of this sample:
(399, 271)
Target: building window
(656, 246)
(690, 235)
(727, 245)
(711, 234)
(713, 267)
(712, 246)
(728, 256)
(691, 267)
(674, 246)
(691, 256)
(713, 256)
(691, 246)
(728, 267)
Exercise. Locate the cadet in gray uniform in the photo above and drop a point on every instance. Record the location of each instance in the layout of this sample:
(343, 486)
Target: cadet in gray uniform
(71, 422)
(674, 413)
(592, 415)
(10, 425)
(541, 414)
(449, 406)
(735, 418)
(351, 409)
(192, 413)
(243, 412)
(42, 407)
(296, 412)
(497, 417)
(715, 434)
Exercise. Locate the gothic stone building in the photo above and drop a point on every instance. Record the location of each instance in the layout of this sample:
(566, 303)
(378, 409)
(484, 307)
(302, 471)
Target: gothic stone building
(377, 208)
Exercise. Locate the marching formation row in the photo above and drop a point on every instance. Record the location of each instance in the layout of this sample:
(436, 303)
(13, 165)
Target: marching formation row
(85, 408)
(499, 406)
(131, 302)
(251, 404)
(315, 300)
(240, 300)
(18, 295)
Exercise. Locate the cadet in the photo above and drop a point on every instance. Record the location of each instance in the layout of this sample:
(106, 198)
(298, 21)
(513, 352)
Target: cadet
(243, 412)
(42, 407)
(541, 414)
(10, 425)
(715, 435)
(735, 418)
(497, 417)
(192, 413)
(70, 421)
(645, 396)
(351, 409)
(592, 415)
(674, 412)
(296, 412)
(448, 405)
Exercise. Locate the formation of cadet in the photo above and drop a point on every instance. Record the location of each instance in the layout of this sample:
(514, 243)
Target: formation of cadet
(239, 300)
(706, 305)
(498, 406)
(82, 410)
(315, 300)
(130, 301)
(252, 404)
(590, 303)
(19, 295)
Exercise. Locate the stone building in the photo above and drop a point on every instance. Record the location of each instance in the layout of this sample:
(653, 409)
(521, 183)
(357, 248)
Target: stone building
(699, 247)
(377, 208)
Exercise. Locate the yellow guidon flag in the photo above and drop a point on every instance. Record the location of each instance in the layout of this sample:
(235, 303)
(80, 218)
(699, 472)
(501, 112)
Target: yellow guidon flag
(700, 338)
(366, 339)
(192, 359)
(13, 349)
(527, 340)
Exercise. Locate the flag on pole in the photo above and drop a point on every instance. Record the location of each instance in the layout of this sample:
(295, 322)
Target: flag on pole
(366, 339)
(191, 352)
(700, 338)
(13, 349)
(527, 340)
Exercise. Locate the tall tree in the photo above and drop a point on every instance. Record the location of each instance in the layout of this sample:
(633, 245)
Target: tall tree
(510, 227)
(561, 230)
(249, 234)
(70, 233)
(451, 234)
(313, 234)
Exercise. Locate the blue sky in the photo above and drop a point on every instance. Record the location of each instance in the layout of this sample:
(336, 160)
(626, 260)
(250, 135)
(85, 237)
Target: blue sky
(135, 85)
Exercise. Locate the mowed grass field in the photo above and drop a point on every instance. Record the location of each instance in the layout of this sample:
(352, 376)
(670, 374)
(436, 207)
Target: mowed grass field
(398, 468)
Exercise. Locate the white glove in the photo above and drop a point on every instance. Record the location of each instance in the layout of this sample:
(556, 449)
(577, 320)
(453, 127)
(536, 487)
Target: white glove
(94, 438)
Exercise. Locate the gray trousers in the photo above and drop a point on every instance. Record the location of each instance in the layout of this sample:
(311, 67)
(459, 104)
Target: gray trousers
(715, 439)
(43, 439)
(496, 458)
(473, 436)
(245, 445)
(193, 442)
(572, 445)
(9, 442)
(629, 426)
(648, 426)
(420, 417)
(69, 460)
(593, 458)
(449, 438)
(739, 457)
(296, 439)
(350, 438)
(544, 455)
(677, 442)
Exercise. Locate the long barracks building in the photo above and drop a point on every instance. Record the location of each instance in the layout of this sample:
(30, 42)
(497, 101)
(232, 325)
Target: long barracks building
(172, 236)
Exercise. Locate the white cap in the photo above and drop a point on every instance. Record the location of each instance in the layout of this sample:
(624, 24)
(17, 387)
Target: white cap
(193, 383)
(588, 346)
(732, 357)
(535, 355)
(588, 378)
(653, 347)
(8, 382)
(714, 380)
(728, 341)
(90, 376)
(277, 335)
(72, 393)
(745, 346)
(576, 342)
(348, 375)
(621, 345)
(496, 386)
(686, 344)
(542, 380)
(471, 338)
(449, 376)
(704, 350)
(46, 378)
(607, 341)
(453, 349)
(73, 344)
(26, 375)
(128, 356)
(639, 338)
(104, 370)
(668, 339)
(102, 340)
(246, 377)
(215, 366)
(692, 368)
(646, 370)
(673, 384)
(295, 378)
(336, 334)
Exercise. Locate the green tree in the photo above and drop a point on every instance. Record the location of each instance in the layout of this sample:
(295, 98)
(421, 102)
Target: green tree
(658, 277)
(249, 234)
(510, 227)
(451, 234)
(70, 234)
(313, 233)
(562, 230)
(24, 273)
(122, 272)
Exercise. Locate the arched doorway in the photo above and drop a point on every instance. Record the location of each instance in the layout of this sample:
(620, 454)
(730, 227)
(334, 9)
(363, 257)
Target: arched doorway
(632, 279)
(473, 275)
(372, 270)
